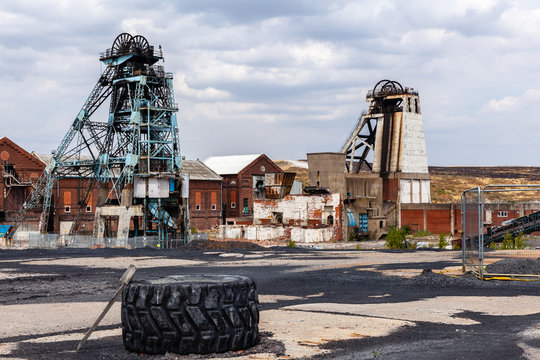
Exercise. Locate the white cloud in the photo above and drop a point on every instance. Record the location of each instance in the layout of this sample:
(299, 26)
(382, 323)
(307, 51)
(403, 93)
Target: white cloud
(284, 77)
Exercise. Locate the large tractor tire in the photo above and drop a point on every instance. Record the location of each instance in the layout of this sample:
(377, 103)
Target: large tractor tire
(190, 314)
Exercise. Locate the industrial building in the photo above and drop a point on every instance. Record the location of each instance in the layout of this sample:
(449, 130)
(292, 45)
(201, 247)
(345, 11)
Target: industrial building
(382, 163)
(243, 179)
(205, 195)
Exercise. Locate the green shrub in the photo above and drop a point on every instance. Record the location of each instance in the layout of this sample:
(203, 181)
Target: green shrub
(442, 241)
(193, 230)
(352, 236)
(407, 229)
(291, 243)
(456, 245)
(421, 233)
(395, 239)
(508, 242)
(358, 247)
(494, 246)
(519, 242)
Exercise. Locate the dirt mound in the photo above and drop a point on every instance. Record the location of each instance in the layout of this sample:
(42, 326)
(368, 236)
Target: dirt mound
(515, 266)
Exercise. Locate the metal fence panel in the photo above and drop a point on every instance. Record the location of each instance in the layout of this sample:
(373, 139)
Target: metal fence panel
(472, 219)
(485, 245)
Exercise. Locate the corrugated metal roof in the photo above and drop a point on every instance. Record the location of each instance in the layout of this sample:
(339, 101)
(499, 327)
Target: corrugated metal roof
(226, 165)
(197, 170)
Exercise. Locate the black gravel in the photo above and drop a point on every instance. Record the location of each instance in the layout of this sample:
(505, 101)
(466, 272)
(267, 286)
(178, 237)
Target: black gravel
(515, 266)
(352, 285)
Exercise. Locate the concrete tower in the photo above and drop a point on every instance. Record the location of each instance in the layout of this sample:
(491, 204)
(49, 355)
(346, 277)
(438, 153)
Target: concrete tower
(391, 134)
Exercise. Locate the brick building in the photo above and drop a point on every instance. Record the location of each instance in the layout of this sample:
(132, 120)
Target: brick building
(19, 169)
(205, 196)
(242, 174)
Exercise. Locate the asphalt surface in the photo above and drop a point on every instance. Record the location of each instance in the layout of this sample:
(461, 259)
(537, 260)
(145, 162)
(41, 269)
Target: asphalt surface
(291, 276)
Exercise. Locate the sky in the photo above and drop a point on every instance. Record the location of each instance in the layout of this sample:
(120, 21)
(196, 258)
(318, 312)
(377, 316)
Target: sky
(288, 77)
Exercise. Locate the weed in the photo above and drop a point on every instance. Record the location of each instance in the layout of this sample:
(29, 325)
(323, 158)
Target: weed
(442, 241)
(291, 243)
(193, 230)
(358, 247)
(456, 245)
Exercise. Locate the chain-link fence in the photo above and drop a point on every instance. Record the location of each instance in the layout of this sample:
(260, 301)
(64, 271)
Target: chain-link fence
(500, 238)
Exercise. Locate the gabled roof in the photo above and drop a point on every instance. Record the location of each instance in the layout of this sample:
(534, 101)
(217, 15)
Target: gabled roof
(6, 141)
(228, 165)
(197, 170)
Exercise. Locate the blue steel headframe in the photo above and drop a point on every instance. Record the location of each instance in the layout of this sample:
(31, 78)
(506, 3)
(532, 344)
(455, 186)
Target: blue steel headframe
(139, 137)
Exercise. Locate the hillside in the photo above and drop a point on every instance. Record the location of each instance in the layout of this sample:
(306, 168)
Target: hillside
(447, 183)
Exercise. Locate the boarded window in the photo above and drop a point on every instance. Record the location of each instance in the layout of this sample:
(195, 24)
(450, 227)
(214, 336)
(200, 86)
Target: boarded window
(213, 200)
(198, 200)
(67, 197)
(233, 198)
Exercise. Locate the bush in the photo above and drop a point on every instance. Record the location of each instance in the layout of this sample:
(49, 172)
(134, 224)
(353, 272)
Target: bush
(456, 245)
(291, 243)
(193, 230)
(442, 241)
(411, 244)
(421, 233)
(395, 239)
(508, 242)
(493, 245)
(407, 229)
(358, 247)
(352, 236)
(511, 243)
(519, 242)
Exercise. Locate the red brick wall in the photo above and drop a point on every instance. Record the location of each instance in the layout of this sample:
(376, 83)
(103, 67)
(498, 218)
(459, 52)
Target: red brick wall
(438, 220)
(205, 217)
(243, 186)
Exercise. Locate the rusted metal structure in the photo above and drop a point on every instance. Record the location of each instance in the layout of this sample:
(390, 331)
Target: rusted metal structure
(133, 157)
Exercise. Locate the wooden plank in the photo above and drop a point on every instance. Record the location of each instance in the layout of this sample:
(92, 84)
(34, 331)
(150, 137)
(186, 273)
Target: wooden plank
(125, 279)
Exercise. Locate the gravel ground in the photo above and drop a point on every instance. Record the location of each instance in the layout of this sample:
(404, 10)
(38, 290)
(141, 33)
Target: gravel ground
(340, 304)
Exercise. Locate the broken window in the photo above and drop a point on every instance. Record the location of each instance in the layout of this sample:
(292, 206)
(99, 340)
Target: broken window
(277, 218)
(245, 206)
(233, 204)
(330, 220)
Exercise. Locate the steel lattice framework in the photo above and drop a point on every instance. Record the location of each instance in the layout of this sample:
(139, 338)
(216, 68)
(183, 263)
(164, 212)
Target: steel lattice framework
(139, 138)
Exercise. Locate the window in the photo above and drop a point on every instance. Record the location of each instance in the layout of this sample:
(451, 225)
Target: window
(245, 207)
(67, 209)
(88, 209)
(213, 200)
(233, 199)
(502, 214)
(197, 200)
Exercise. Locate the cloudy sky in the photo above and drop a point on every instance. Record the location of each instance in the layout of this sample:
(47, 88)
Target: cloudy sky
(286, 77)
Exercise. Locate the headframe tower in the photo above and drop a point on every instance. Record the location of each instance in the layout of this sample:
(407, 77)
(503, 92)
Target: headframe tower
(132, 159)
